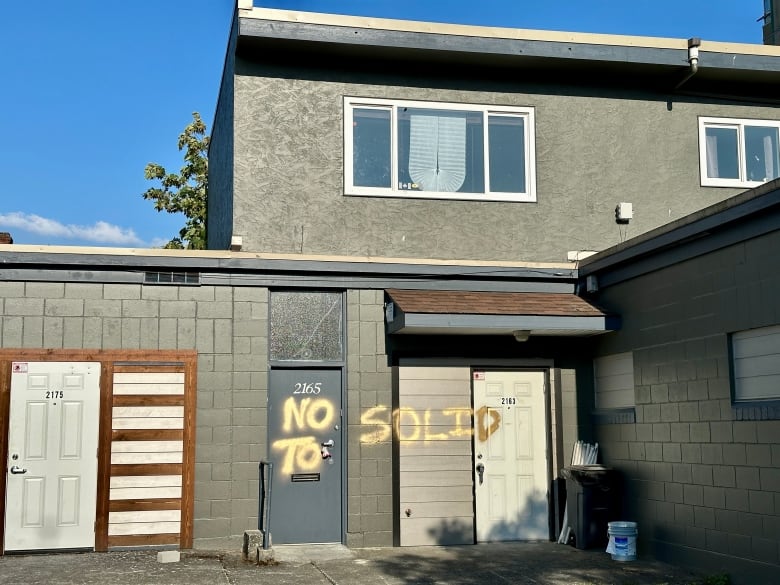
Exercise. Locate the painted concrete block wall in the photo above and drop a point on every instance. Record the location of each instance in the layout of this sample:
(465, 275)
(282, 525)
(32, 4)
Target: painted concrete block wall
(369, 419)
(593, 150)
(227, 326)
(703, 484)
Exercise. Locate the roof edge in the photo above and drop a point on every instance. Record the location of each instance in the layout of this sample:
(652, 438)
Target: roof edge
(387, 24)
(230, 255)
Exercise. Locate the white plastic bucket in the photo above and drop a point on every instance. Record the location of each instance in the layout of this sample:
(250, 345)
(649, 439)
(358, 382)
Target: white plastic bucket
(622, 540)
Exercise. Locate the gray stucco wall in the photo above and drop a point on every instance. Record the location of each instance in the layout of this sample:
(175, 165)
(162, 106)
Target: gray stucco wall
(593, 151)
(703, 480)
(219, 216)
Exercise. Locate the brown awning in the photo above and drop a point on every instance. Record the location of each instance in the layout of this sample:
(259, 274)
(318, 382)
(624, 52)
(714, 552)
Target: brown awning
(494, 313)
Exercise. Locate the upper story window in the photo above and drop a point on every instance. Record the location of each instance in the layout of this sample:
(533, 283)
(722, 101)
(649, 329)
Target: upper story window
(738, 153)
(438, 151)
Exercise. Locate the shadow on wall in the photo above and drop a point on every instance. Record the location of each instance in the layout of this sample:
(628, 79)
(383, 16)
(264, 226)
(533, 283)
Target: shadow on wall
(529, 522)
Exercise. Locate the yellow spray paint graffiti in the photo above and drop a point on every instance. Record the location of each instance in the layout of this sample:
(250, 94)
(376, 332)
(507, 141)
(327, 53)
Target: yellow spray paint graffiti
(416, 425)
(302, 453)
(309, 414)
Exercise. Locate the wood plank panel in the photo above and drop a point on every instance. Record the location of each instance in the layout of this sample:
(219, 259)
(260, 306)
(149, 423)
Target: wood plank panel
(148, 423)
(433, 428)
(435, 463)
(147, 434)
(159, 469)
(428, 478)
(188, 472)
(143, 516)
(149, 400)
(144, 493)
(437, 531)
(140, 375)
(104, 458)
(146, 446)
(133, 481)
(155, 412)
(158, 504)
(144, 528)
(437, 509)
(149, 389)
(423, 448)
(146, 458)
(458, 493)
(434, 373)
(143, 540)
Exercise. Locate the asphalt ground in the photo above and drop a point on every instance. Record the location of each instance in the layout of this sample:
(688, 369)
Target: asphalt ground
(489, 564)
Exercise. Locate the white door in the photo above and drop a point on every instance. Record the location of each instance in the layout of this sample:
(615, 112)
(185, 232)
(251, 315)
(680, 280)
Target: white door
(510, 456)
(52, 455)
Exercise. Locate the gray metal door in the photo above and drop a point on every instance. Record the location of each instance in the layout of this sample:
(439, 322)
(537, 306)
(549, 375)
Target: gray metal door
(304, 432)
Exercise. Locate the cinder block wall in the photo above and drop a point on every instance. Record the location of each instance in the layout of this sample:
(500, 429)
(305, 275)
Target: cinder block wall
(227, 326)
(703, 484)
(369, 398)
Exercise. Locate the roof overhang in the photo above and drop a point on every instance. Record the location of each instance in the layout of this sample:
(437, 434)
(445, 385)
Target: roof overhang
(745, 69)
(486, 313)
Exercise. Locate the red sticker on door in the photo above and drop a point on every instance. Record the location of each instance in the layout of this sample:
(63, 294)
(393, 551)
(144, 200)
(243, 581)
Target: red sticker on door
(479, 375)
(19, 368)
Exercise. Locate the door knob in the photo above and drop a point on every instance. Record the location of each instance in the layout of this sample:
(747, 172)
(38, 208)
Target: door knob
(480, 471)
(16, 470)
(328, 443)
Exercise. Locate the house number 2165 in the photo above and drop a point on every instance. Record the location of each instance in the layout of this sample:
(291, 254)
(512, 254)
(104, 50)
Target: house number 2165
(307, 388)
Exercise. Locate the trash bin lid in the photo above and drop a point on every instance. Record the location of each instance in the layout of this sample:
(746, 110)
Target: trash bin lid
(589, 474)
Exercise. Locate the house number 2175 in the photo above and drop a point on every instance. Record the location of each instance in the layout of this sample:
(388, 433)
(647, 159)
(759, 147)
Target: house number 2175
(307, 388)
(51, 394)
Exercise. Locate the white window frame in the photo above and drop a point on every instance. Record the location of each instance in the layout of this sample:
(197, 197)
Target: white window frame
(527, 113)
(613, 380)
(755, 355)
(734, 123)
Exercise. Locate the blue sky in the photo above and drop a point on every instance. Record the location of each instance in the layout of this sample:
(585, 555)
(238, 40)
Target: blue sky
(91, 91)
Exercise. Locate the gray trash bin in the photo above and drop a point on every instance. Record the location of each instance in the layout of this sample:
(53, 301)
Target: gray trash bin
(594, 498)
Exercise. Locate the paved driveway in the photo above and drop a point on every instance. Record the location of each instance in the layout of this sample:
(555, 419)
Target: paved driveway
(488, 564)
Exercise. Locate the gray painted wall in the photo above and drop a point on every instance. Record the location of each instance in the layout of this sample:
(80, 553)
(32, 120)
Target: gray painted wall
(228, 326)
(593, 151)
(219, 214)
(703, 484)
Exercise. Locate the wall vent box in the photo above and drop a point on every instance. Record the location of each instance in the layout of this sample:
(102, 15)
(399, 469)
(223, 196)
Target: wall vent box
(624, 211)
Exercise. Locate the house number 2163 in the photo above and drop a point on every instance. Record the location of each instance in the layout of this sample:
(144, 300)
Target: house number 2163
(307, 388)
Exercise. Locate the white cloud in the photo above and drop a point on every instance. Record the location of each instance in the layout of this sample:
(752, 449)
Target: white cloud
(100, 232)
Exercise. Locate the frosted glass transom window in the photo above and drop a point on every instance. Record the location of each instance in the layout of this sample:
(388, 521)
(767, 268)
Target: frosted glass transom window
(438, 151)
(306, 326)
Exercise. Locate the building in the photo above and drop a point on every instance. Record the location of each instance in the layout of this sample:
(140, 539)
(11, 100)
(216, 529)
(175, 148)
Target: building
(771, 24)
(401, 308)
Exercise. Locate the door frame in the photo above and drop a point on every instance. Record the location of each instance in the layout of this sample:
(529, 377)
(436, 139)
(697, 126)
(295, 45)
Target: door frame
(187, 359)
(548, 443)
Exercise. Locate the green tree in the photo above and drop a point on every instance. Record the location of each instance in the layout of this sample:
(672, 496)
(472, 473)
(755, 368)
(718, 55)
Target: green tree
(185, 192)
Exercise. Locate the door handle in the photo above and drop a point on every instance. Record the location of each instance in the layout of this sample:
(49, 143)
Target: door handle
(480, 471)
(16, 470)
